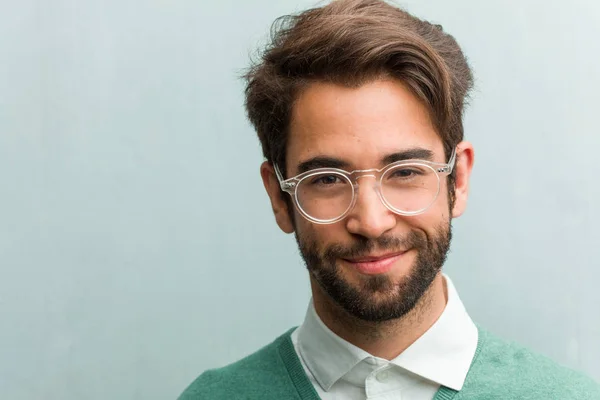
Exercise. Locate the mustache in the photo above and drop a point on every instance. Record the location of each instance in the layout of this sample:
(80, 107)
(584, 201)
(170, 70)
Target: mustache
(363, 246)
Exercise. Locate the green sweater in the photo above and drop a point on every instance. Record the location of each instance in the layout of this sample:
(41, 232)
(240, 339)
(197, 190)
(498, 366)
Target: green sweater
(500, 370)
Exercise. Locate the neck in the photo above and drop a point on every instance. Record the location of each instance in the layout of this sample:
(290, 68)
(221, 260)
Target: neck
(385, 339)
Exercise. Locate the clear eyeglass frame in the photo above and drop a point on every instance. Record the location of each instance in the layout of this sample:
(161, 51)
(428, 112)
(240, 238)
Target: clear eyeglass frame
(291, 185)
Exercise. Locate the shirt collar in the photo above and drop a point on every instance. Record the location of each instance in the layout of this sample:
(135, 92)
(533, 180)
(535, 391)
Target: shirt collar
(327, 356)
(443, 354)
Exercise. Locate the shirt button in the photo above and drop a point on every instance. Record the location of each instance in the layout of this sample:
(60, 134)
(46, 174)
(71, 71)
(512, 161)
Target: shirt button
(383, 376)
(372, 361)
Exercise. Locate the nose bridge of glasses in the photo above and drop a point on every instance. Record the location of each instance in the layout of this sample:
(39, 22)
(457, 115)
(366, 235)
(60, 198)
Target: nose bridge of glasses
(367, 189)
(368, 201)
(364, 173)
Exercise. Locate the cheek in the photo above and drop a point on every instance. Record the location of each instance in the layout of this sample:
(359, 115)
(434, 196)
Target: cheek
(320, 236)
(438, 214)
(441, 207)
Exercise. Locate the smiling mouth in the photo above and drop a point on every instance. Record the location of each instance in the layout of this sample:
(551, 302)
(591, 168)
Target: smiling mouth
(374, 265)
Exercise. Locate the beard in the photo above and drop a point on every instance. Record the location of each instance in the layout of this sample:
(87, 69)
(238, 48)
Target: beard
(378, 298)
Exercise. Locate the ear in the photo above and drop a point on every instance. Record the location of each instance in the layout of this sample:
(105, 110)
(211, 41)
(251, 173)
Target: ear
(465, 157)
(280, 208)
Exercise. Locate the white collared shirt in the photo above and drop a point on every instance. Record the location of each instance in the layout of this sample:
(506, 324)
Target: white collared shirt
(440, 357)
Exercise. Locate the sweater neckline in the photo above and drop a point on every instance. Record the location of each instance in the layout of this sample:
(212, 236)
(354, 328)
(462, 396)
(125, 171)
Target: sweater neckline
(305, 388)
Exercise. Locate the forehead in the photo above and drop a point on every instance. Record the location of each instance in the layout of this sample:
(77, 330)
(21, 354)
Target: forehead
(359, 125)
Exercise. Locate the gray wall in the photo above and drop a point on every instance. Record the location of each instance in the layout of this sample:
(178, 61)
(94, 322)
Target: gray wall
(137, 246)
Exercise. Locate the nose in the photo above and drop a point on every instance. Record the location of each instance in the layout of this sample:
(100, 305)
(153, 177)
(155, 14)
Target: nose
(369, 217)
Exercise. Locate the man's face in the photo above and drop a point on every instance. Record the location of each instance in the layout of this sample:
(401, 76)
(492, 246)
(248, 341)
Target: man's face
(374, 263)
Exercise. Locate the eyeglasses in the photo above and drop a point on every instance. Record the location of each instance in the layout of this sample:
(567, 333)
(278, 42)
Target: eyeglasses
(326, 195)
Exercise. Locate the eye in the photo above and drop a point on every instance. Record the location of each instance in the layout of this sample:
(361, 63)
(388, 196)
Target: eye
(326, 180)
(404, 173)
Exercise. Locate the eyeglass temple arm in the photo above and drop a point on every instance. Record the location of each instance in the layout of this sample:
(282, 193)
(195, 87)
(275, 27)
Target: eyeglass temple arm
(285, 186)
(450, 166)
(452, 160)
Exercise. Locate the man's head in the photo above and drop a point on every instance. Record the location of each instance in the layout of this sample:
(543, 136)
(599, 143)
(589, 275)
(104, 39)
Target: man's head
(355, 84)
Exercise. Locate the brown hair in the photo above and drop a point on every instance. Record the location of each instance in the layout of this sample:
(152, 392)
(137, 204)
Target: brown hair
(350, 42)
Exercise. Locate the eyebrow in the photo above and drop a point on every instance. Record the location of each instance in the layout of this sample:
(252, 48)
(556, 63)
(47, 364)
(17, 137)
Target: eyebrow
(332, 162)
(409, 154)
(322, 162)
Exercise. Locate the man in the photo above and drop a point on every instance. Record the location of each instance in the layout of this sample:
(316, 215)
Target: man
(358, 106)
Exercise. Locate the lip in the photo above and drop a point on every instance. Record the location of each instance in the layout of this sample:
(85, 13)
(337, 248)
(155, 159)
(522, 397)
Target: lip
(375, 264)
